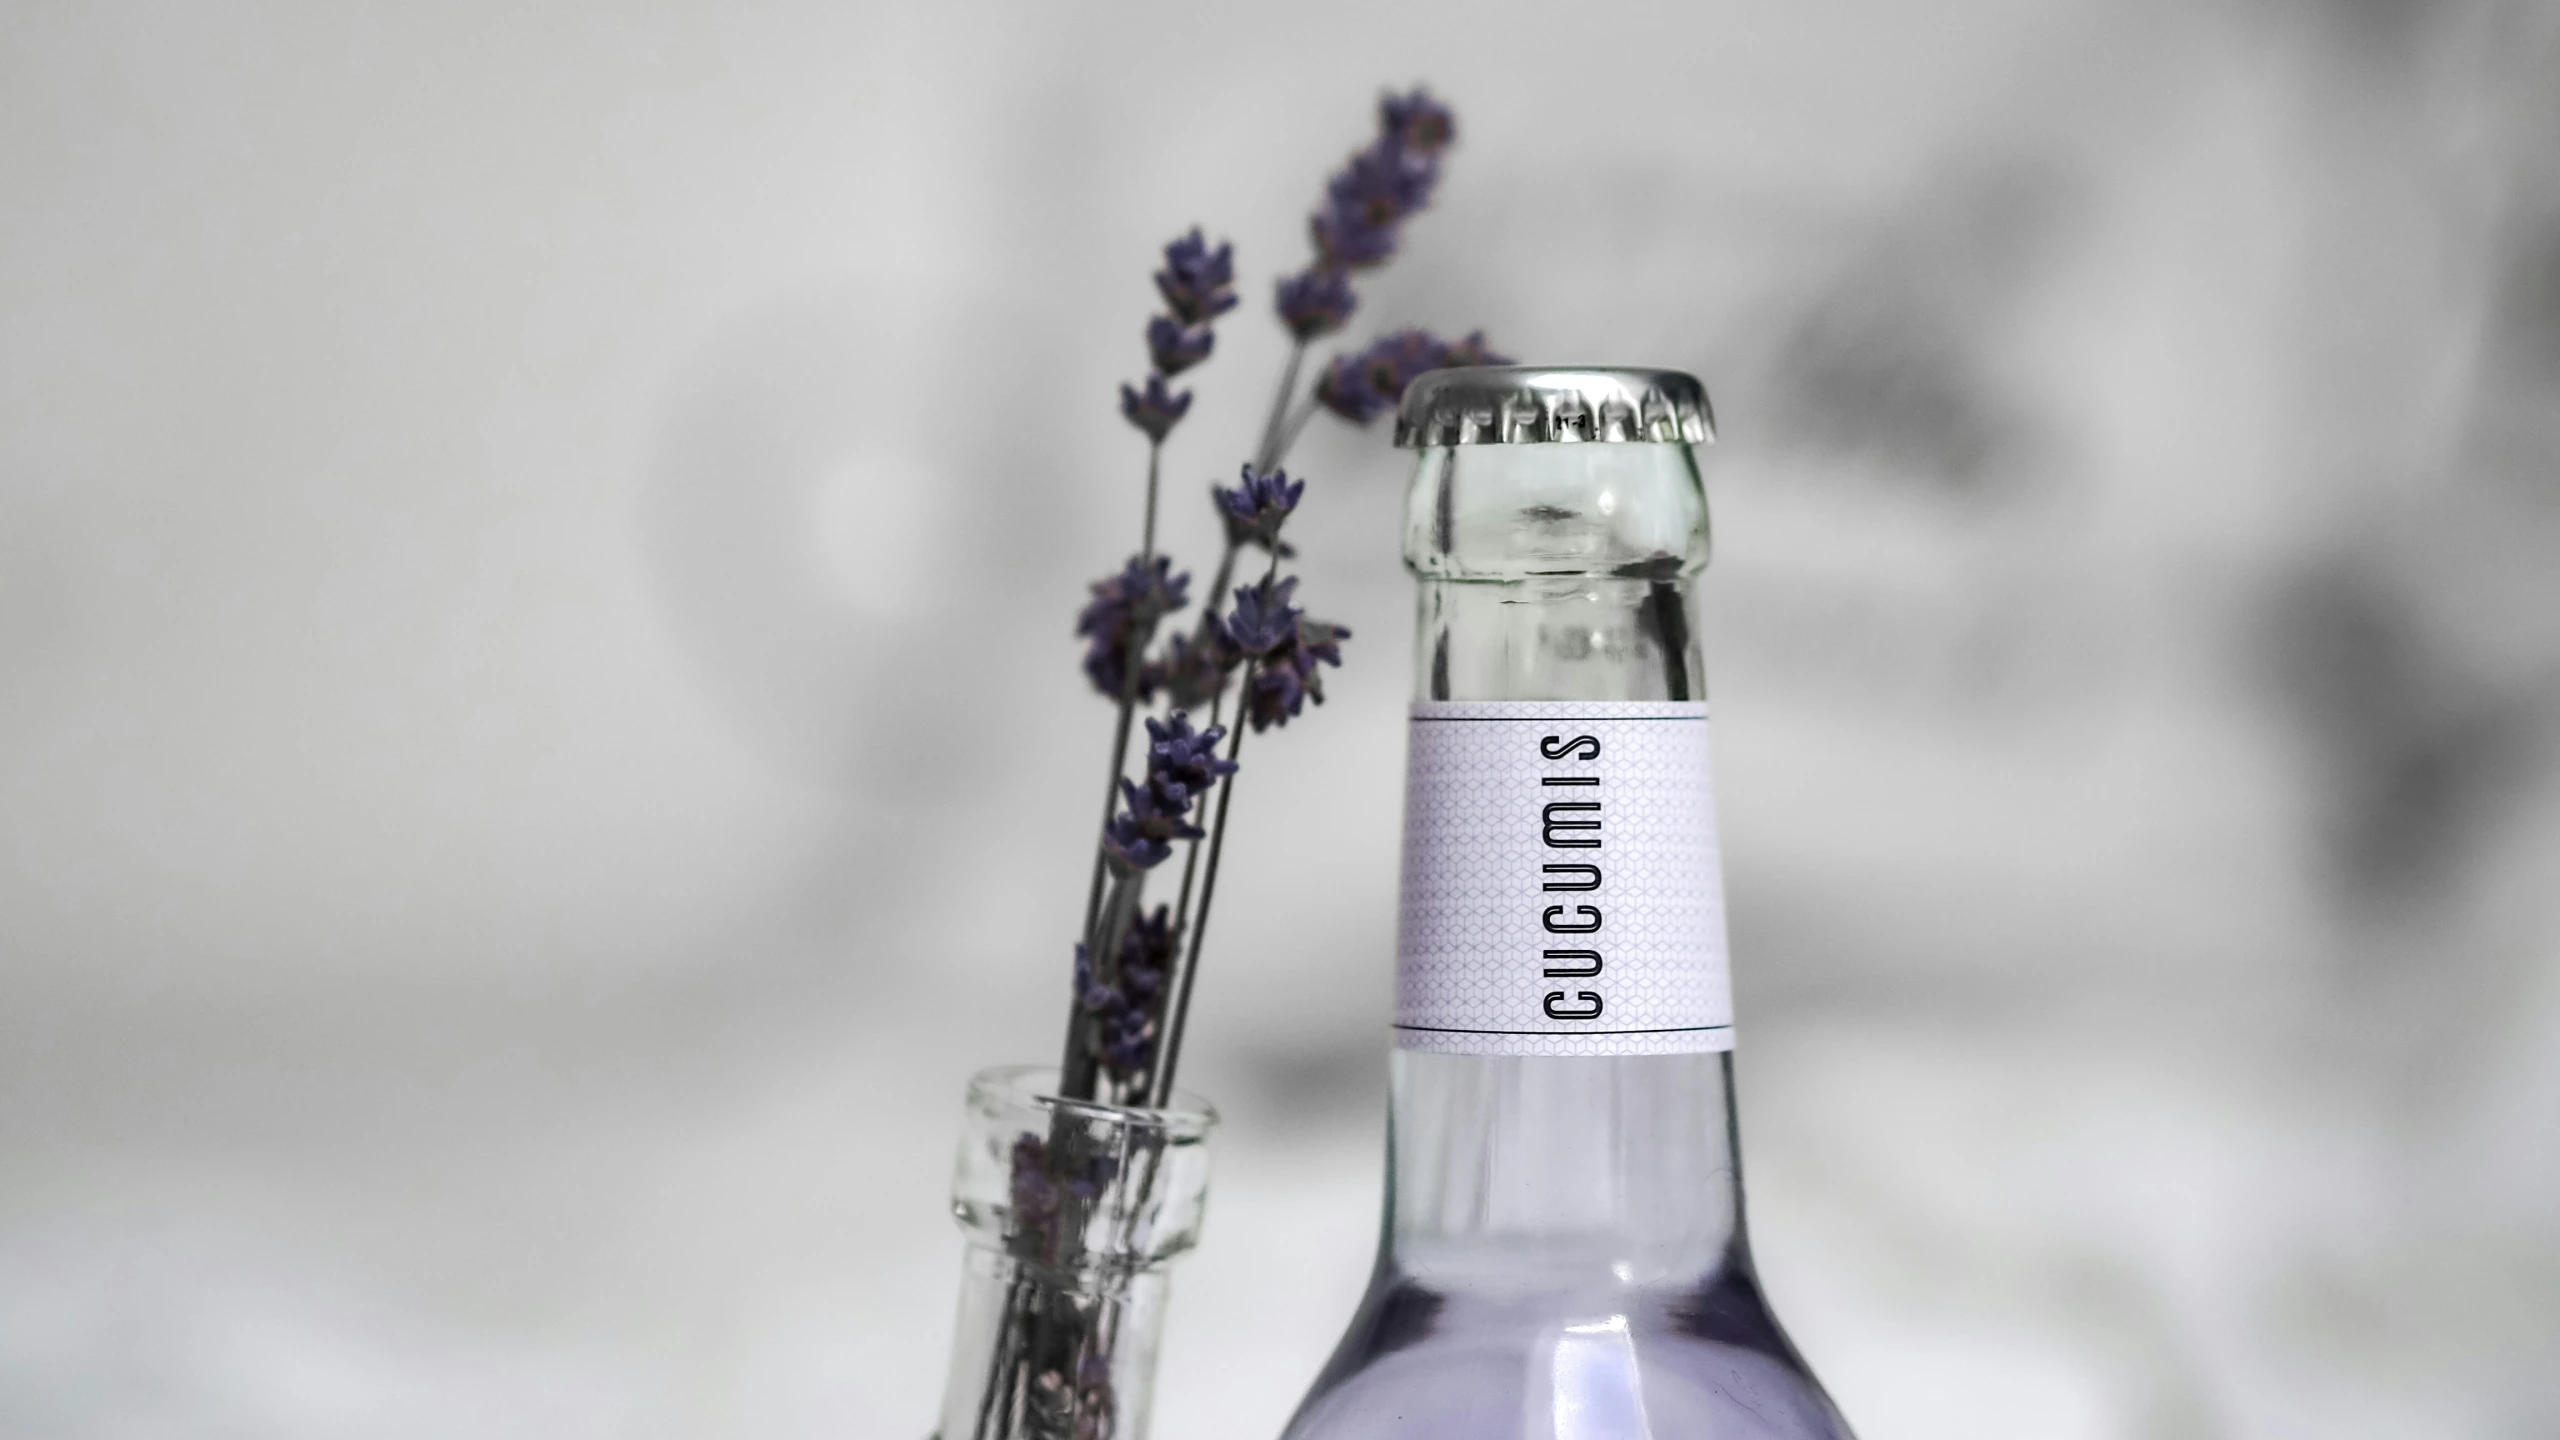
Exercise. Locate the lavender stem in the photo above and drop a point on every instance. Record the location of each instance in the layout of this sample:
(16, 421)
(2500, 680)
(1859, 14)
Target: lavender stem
(1177, 1005)
(1131, 658)
(1177, 1001)
(1217, 595)
(1191, 852)
(1288, 435)
(1075, 1078)
(1155, 457)
(1266, 454)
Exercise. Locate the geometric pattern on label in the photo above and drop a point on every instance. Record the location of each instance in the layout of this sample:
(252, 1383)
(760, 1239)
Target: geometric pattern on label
(1562, 890)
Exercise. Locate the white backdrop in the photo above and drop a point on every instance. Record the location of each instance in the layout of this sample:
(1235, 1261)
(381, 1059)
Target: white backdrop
(539, 739)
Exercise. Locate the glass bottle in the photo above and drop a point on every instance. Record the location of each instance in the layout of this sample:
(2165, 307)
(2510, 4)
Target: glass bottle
(1564, 1252)
(1071, 1209)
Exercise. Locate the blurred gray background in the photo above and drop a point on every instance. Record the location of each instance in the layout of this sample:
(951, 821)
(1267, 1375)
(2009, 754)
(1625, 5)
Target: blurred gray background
(539, 739)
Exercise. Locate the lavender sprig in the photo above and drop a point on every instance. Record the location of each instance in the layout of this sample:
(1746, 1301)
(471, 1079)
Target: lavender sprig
(1135, 969)
(1198, 283)
(1182, 765)
(1257, 640)
(1358, 227)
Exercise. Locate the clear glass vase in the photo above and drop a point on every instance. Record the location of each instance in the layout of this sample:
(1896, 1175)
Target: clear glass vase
(1072, 1210)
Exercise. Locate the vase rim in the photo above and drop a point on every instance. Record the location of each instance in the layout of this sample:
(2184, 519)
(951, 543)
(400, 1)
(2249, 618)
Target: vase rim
(1186, 1117)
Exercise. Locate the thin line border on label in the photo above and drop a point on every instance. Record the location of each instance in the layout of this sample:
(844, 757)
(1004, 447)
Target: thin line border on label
(1551, 719)
(1658, 1030)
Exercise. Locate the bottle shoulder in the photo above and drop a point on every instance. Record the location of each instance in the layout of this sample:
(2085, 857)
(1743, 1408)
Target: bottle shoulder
(1633, 1365)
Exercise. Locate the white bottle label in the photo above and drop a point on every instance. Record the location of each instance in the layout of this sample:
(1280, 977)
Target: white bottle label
(1562, 890)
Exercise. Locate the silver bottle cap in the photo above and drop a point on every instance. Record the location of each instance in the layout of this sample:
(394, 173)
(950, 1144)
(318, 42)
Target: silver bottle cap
(1546, 404)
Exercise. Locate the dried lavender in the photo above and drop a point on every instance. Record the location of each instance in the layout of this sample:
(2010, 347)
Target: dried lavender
(1133, 966)
(1287, 678)
(1181, 766)
(1155, 409)
(1265, 649)
(1041, 1183)
(1315, 302)
(1177, 755)
(1367, 383)
(1122, 1002)
(1121, 615)
(1193, 670)
(1265, 617)
(1197, 283)
(1257, 507)
(1358, 226)
(1419, 123)
(1176, 347)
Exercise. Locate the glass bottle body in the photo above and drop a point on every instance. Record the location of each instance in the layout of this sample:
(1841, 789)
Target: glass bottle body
(1564, 1254)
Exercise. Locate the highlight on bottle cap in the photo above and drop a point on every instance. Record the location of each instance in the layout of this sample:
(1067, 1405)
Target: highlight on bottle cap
(1553, 404)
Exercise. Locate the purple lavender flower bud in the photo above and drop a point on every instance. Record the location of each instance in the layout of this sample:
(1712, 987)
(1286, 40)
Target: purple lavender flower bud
(1197, 282)
(1417, 122)
(1124, 1009)
(1037, 1184)
(1346, 240)
(1365, 384)
(1035, 1196)
(1392, 361)
(1285, 681)
(1278, 692)
(1181, 766)
(1147, 952)
(1122, 615)
(1123, 1034)
(1193, 674)
(1107, 665)
(1177, 753)
(1322, 640)
(1473, 351)
(1383, 184)
(1093, 1373)
(1316, 301)
(1345, 390)
(1141, 836)
(1256, 509)
(1264, 620)
(1377, 189)
(1091, 993)
(1156, 409)
(1177, 347)
(1096, 1405)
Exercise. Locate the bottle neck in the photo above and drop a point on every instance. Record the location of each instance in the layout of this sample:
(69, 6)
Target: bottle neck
(1556, 572)
(1559, 573)
(1562, 1172)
